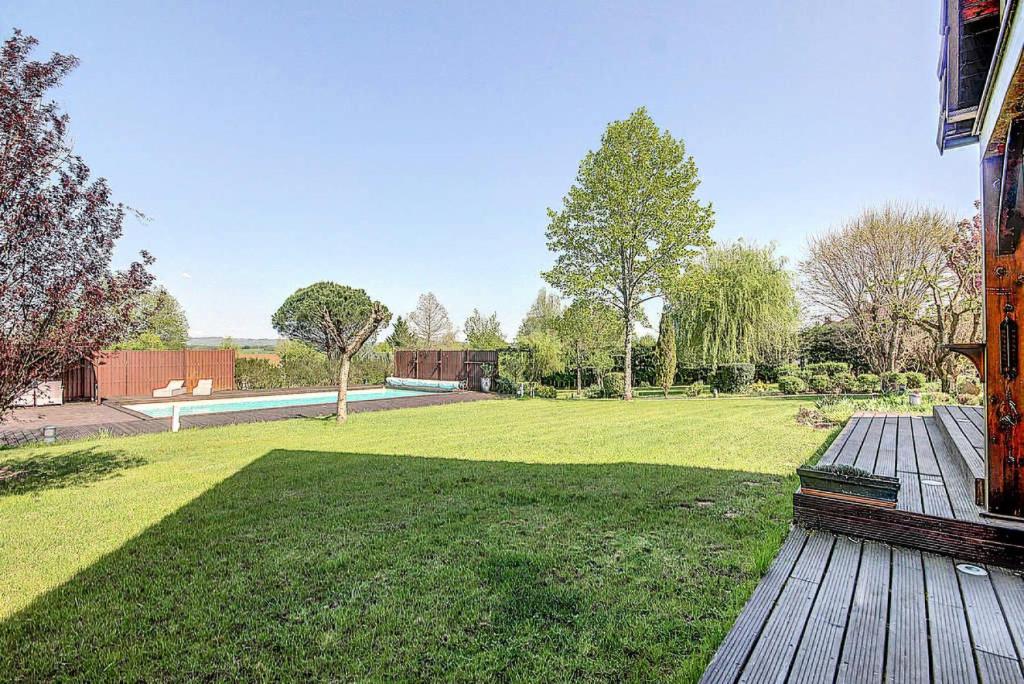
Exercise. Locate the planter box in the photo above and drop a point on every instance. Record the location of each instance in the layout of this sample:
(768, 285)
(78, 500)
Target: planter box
(873, 490)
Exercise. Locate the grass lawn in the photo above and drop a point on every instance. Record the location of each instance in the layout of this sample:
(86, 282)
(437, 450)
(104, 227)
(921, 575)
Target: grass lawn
(514, 540)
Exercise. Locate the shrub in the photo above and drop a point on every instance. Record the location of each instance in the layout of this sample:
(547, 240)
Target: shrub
(968, 387)
(545, 392)
(762, 388)
(868, 382)
(829, 368)
(255, 374)
(786, 369)
(506, 386)
(734, 377)
(614, 385)
(820, 383)
(790, 384)
(594, 392)
(845, 381)
(969, 399)
(915, 380)
(892, 381)
(695, 390)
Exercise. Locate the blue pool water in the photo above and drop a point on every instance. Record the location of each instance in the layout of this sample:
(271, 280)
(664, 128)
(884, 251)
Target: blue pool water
(191, 408)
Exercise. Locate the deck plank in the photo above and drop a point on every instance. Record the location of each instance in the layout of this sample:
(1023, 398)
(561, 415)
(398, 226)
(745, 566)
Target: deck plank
(772, 656)
(926, 463)
(961, 500)
(907, 652)
(818, 655)
(858, 431)
(868, 454)
(863, 656)
(952, 656)
(1009, 590)
(735, 649)
(885, 464)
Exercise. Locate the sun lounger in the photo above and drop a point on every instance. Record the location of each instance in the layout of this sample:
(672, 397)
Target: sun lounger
(203, 388)
(174, 388)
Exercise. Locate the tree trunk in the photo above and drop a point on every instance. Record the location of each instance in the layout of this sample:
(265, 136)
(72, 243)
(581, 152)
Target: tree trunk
(343, 389)
(579, 382)
(627, 369)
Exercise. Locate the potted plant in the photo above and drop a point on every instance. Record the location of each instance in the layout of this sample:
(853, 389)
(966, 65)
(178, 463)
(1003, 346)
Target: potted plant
(849, 483)
(914, 397)
(486, 371)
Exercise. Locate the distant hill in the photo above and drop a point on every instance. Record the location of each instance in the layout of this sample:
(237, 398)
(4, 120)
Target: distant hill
(244, 342)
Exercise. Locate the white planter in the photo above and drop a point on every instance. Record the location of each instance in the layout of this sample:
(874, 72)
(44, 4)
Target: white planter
(485, 384)
(915, 399)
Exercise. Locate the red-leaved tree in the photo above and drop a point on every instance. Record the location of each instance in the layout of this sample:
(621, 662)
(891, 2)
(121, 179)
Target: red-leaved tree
(60, 299)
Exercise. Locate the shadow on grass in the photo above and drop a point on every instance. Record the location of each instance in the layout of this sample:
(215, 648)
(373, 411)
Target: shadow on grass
(45, 471)
(311, 565)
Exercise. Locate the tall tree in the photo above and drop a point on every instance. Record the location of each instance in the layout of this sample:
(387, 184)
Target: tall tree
(484, 332)
(60, 300)
(630, 223)
(665, 368)
(430, 321)
(543, 314)
(401, 336)
(589, 331)
(337, 320)
(876, 272)
(953, 307)
(737, 304)
(162, 322)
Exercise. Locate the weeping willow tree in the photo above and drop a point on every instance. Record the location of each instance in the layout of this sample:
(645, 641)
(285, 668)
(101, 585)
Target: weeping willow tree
(736, 305)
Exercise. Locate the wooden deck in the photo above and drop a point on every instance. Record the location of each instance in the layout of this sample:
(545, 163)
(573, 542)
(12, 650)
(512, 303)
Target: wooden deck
(133, 423)
(938, 460)
(836, 609)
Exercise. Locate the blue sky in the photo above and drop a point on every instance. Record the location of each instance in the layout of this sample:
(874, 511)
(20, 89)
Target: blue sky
(412, 147)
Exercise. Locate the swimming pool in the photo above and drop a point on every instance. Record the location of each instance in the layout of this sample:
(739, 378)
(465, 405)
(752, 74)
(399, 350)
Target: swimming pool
(193, 408)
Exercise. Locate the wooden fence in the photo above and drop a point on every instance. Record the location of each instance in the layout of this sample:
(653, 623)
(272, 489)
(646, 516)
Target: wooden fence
(138, 373)
(435, 364)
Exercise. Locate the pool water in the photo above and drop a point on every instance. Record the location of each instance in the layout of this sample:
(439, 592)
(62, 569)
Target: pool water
(192, 408)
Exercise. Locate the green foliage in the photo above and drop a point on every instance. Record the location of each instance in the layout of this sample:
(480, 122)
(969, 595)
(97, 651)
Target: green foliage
(513, 365)
(228, 343)
(665, 356)
(161, 322)
(915, 380)
(371, 367)
(543, 315)
(504, 385)
(831, 342)
(738, 304)
(589, 331)
(790, 384)
(892, 381)
(845, 381)
(545, 392)
(869, 382)
(303, 366)
(820, 383)
(829, 368)
(335, 319)
(695, 390)
(483, 332)
(733, 377)
(613, 385)
(401, 336)
(630, 222)
(545, 354)
(257, 374)
(145, 341)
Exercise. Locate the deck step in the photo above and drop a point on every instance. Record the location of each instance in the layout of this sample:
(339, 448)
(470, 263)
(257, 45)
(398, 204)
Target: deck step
(961, 428)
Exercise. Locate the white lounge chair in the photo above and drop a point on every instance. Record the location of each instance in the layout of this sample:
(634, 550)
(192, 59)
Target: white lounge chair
(174, 388)
(203, 388)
